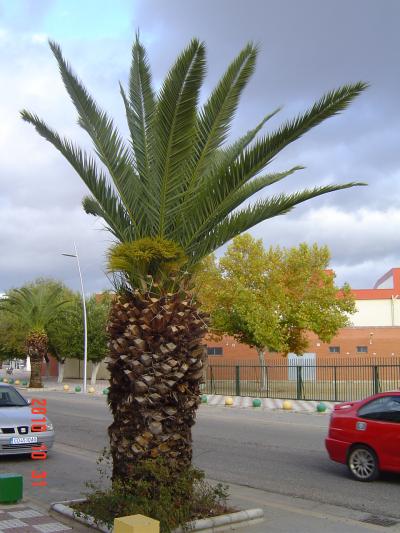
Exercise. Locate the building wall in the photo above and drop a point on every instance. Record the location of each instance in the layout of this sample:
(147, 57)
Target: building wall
(74, 370)
(385, 312)
(351, 342)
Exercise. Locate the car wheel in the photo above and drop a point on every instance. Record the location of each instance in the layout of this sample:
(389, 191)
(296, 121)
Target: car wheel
(363, 463)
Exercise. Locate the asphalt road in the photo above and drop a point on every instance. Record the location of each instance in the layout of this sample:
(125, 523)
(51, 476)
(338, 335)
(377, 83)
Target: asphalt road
(278, 452)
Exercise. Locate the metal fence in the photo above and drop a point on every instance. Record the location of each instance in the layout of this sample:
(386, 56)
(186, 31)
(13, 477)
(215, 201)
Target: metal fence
(329, 380)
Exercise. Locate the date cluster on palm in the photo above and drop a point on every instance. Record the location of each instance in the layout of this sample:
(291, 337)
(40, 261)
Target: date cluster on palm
(156, 363)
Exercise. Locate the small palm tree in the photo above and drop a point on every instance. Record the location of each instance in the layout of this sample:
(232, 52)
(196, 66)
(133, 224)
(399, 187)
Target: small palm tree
(170, 197)
(34, 308)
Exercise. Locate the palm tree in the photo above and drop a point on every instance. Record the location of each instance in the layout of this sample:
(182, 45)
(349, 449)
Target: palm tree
(169, 198)
(35, 308)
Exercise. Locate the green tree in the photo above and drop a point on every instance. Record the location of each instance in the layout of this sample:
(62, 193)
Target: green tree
(270, 299)
(34, 307)
(169, 198)
(11, 338)
(66, 332)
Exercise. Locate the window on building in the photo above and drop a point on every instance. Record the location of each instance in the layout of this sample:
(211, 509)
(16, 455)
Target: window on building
(214, 350)
(334, 349)
(362, 349)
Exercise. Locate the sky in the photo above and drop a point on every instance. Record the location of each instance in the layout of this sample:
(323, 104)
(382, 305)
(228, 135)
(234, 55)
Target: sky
(307, 47)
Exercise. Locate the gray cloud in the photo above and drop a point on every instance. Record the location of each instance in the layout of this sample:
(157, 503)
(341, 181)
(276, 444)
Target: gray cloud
(306, 48)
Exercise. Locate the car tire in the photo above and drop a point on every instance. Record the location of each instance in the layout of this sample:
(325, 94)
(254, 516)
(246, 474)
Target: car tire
(363, 463)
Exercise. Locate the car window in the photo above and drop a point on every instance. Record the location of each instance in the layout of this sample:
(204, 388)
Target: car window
(386, 408)
(10, 397)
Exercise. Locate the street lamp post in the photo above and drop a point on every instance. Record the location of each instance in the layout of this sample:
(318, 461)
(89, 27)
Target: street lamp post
(84, 317)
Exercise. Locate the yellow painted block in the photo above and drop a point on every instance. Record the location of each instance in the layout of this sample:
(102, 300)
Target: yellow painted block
(287, 405)
(136, 524)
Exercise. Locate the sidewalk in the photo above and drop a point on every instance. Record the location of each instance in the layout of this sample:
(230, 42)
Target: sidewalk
(282, 514)
(285, 514)
(30, 518)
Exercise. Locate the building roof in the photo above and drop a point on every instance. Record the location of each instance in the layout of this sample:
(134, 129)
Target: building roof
(387, 286)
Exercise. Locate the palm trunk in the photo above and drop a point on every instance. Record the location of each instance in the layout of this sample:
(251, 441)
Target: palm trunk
(36, 344)
(156, 365)
(263, 369)
(95, 369)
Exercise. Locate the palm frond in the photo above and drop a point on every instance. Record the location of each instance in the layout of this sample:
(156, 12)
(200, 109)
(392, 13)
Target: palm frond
(108, 143)
(142, 106)
(216, 116)
(179, 181)
(94, 179)
(35, 308)
(224, 157)
(113, 214)
(256, 157)
(218, 162)
(174, 128)
(243, 220)
(218, 211)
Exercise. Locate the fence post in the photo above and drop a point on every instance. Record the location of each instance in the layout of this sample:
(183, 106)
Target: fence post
(237, 380)
(376, 379)
(211, 380)
(299, 383)
(334, 377)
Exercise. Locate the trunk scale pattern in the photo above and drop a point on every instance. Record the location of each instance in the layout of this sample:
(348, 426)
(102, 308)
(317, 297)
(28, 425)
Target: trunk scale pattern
(156, 364)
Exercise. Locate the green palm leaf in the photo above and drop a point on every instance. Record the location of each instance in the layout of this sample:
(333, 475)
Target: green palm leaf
(36, 308)
(113, 211)
(107, 141)
(179, 180)
(141, 107)
(216, 116)
(174, 127)
(217, 186)
(243, 220)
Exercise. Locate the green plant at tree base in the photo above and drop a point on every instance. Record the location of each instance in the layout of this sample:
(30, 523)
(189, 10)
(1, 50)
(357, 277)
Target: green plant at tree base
(174, 498)
(172, 195)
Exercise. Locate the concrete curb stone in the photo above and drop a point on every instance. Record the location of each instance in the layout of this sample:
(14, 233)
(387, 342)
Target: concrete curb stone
(221, 523)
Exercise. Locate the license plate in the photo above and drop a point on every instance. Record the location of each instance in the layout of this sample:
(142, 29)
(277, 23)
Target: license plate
(23, 440)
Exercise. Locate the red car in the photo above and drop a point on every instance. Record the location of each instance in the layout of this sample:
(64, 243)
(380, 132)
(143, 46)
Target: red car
(365, 435)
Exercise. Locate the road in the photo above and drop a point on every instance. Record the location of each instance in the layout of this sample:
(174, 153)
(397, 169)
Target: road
(278, 452)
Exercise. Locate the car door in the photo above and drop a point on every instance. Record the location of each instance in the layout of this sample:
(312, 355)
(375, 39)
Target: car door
(379, 420)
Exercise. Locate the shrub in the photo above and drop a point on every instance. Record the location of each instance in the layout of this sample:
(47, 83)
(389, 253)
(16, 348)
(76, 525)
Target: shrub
(156, 491)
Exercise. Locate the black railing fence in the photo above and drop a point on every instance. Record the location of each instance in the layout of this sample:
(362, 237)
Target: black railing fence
(327, 379)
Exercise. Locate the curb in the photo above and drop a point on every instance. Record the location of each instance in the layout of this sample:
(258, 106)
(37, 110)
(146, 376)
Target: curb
(221, 523)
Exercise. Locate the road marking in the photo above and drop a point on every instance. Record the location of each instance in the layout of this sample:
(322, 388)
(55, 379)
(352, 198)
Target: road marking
(74, 451)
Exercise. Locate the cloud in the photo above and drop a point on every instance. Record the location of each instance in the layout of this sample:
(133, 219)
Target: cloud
(364, 243)
(306, 49)
(39, 38)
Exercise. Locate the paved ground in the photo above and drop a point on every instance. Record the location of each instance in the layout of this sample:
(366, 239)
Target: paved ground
(272, 459)
(28, 519)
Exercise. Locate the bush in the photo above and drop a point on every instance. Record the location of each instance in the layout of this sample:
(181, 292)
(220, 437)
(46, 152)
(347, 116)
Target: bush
(156, 491)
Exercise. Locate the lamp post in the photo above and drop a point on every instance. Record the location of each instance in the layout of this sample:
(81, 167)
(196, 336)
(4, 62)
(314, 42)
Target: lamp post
(84, 317)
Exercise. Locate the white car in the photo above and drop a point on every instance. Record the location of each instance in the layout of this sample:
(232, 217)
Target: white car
(16, 420)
